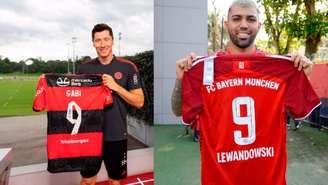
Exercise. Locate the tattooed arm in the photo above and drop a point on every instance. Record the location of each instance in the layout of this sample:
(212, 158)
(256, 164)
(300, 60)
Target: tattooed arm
(181, 66)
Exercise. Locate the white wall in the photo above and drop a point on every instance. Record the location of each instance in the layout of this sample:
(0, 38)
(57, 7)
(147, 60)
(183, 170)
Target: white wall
(180, 28)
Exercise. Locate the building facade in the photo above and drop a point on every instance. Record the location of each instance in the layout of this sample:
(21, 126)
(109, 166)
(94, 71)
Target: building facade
(180, 28)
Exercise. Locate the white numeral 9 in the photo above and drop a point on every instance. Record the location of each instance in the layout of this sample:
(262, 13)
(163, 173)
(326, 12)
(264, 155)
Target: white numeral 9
(69, 116)
(248, 120)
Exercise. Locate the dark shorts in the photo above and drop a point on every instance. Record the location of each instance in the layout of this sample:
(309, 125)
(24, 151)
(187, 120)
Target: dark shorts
(114, 154)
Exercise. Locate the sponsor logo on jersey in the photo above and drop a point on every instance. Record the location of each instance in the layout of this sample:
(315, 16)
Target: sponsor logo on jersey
(39, 91)
(80, 82)
(118, 75)
(135, 79)
(73, 141)
(124, 161)
(241, 65)
(62, 81)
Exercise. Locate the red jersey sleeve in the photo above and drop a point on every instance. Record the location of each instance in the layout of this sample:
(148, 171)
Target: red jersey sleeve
(39, 102)
(300, 98)
(192, 101)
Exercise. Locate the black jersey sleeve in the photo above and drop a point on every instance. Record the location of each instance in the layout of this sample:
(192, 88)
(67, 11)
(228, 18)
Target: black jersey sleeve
(133, 81)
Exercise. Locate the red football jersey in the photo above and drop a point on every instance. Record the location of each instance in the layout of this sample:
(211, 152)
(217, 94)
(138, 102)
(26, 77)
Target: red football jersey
(242, 116)
(75, 106)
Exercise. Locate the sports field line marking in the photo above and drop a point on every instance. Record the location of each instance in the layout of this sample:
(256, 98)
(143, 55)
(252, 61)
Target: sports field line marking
(5, 104)
(139, 181)
(11, 97)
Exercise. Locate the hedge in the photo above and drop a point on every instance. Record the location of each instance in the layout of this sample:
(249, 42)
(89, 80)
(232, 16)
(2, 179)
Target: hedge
(145, 62)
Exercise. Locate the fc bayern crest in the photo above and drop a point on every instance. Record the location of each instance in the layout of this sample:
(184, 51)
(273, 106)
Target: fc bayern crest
(118, 75)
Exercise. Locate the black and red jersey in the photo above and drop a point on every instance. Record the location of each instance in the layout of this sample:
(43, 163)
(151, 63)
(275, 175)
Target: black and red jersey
(242, 115)
(75, 119)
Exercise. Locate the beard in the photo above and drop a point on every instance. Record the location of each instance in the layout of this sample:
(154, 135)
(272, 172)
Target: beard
(242, 43)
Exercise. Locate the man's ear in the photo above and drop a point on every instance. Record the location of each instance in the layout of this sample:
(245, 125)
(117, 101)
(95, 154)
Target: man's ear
(226, 25)
(260, 24)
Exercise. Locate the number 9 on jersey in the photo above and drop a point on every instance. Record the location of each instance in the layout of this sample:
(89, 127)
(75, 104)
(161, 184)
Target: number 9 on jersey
(248, 120)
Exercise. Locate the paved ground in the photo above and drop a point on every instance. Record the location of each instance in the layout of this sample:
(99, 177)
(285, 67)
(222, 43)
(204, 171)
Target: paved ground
(307, 156)
(27, 136)
(177, 157)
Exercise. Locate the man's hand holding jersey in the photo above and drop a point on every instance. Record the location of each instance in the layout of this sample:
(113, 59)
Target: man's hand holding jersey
(184, 64)
(110, 82)
(302, 62)
(134, 97)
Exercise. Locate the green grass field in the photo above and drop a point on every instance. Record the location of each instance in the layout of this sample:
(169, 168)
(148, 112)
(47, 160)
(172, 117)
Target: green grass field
(16, 97)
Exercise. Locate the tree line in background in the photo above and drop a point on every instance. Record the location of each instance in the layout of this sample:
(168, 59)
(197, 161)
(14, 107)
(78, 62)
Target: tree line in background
(143, 60)
(38, 66)
(288, 23)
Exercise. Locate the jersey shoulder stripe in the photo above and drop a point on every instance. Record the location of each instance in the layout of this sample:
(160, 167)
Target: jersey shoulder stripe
(123, 60)
(279, 57)
(201, 59)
